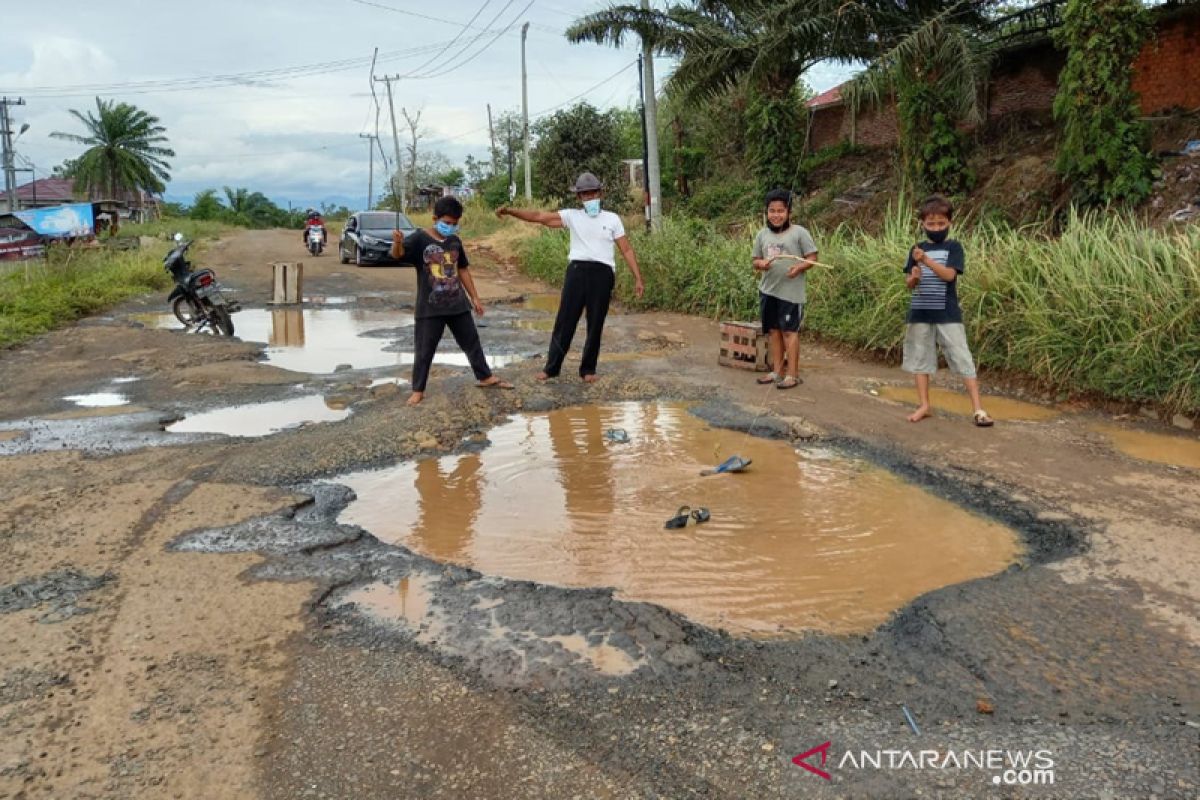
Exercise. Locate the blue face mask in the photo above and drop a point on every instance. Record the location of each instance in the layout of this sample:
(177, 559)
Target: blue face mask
(592, 207)
(445, 228)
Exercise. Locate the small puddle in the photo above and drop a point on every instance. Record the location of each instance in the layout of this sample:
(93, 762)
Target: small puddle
(408, 600)
(261, 419)
(804, 540)
(542, 325)
(318, 341)
(98, 399)
(1162, 448)
(128, 379)
(604, 658)
(959, 403)
(541, 302)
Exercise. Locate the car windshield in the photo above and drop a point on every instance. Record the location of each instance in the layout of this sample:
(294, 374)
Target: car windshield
(383, 222)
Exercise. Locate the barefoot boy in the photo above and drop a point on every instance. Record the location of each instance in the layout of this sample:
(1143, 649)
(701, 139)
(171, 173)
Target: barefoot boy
(934, 318)
(446, 295)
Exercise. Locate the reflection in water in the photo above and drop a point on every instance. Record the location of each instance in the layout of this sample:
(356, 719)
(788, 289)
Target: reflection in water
(1182, 451)
(959, 403)
(261, 419)
(318, 340)
(98, 399)
(798, 541)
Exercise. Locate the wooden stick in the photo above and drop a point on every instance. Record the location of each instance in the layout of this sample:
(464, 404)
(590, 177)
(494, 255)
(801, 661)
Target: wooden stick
(801, 258)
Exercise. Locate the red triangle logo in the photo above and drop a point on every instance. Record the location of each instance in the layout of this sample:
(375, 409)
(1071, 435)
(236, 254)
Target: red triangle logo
(801, 761)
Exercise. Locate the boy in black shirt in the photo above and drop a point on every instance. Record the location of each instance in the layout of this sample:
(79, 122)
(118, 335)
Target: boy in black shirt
(446, 295)
(935, 318)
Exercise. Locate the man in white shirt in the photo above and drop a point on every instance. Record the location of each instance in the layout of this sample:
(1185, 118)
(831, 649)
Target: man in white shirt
(591, 272)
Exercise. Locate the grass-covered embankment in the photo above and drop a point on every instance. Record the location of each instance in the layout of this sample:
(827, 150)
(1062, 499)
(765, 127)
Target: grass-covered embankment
(1108, 307)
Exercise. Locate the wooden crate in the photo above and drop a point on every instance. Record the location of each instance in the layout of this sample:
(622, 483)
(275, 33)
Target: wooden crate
(743, 345)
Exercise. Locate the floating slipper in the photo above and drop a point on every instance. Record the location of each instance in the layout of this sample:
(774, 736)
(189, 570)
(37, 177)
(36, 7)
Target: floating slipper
(731, 464)
(701, 515)
(770, 377)
(617, 435)
(679, 520)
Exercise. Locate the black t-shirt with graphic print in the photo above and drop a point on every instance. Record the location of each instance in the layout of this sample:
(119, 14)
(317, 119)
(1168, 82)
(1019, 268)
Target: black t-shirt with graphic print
(935, 301)
(440, 292)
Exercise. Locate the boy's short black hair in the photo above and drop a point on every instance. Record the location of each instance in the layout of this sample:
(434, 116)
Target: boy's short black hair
(780, 195)
(936, 204)
(448, 207)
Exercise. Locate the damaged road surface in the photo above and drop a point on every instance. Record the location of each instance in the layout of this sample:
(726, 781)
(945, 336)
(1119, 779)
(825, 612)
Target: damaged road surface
(476, 598)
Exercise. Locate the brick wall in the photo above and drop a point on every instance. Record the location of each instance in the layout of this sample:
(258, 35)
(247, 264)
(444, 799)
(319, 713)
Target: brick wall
(1167, 73)
(1166, 76)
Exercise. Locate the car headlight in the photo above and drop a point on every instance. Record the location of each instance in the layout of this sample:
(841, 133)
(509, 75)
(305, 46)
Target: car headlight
(372, 240)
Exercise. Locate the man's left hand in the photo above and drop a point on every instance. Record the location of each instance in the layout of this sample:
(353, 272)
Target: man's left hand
(477, 306)
(639, 288)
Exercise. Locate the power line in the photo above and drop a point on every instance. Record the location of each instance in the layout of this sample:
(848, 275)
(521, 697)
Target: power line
(406, 12)
(482, 50)
(450, 44)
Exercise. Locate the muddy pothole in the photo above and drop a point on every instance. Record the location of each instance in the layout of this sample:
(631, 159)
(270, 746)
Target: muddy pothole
(804, 539)
(263, 419)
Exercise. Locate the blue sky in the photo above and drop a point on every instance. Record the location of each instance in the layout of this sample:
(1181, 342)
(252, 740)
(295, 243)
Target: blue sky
(273, 95)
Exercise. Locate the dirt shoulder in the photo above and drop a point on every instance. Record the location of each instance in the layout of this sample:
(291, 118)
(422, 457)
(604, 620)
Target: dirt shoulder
(175, 619)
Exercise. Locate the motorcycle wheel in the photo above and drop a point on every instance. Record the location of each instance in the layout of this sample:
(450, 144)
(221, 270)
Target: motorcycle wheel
(185, 312)
(222, 322)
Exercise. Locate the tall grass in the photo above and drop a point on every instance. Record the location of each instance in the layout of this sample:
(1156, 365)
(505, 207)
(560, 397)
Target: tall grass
(1108, 307)
(70, 283)
(167, 227)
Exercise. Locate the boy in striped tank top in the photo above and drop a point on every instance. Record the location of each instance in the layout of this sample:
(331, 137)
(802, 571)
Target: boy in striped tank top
(934, 317)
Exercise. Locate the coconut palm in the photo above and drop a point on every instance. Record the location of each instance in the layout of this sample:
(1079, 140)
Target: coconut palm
(125, 150)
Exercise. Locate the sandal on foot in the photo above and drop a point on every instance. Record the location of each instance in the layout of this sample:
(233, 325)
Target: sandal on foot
(770, 377)
(982, 420)
(788, 383)
(679, 520)
(701, 515)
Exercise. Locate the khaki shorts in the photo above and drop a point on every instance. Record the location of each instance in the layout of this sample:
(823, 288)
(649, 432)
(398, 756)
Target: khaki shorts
(920, 348)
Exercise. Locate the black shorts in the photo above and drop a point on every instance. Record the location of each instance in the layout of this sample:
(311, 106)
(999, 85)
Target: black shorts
(779, 315)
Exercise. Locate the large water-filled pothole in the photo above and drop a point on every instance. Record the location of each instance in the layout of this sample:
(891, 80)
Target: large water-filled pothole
(959, 403)
(804, 539)
(1181, 451)
(319, 340)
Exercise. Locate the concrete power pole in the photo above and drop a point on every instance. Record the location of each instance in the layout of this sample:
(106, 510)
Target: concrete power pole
(653, 175)
(387, 79)
(525, 116)
(6, 149)
(492, 137)
(370, 137)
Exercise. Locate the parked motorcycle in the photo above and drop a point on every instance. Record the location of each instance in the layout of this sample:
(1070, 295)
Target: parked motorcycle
(315, 238)
(198, 300)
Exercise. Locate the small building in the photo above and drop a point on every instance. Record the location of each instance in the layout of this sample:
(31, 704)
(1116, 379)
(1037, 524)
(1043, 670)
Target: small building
(136, 206)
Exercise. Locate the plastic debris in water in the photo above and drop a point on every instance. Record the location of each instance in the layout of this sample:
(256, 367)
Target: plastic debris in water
(617, 435)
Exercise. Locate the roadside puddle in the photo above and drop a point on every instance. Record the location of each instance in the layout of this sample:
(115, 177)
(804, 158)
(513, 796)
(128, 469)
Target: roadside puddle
(541, 302)
(959, 403)
(98, 399)
(802, 540)
(261, 419)
(319, 340)
(1162, 448)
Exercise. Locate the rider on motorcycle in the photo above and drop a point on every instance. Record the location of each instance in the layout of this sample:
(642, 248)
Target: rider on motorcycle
(314, 220)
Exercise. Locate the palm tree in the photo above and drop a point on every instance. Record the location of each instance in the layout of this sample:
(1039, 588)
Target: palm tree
(125, 150)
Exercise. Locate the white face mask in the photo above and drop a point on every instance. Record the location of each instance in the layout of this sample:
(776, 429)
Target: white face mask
(592, 207)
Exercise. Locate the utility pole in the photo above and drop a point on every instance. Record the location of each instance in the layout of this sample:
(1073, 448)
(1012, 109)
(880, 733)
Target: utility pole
(6, 150)
(645, 144)
(525, 116)
(512, 185)
(492, 138)
(653, 175)
(370, 137)
(387, 79)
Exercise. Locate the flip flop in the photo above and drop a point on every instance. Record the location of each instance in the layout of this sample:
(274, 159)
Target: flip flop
(770, 377)
(731, 464)
(788, 383)
(701, 515)
(679, 520)
(982, 420)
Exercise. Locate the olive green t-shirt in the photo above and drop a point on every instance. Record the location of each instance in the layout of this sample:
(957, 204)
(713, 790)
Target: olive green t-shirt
(795, 241)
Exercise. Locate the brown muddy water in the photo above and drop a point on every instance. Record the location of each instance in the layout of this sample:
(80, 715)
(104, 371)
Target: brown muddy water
(803, 540)
(959, 403)
(319, 340)
(261, 419)
(1181, 451)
